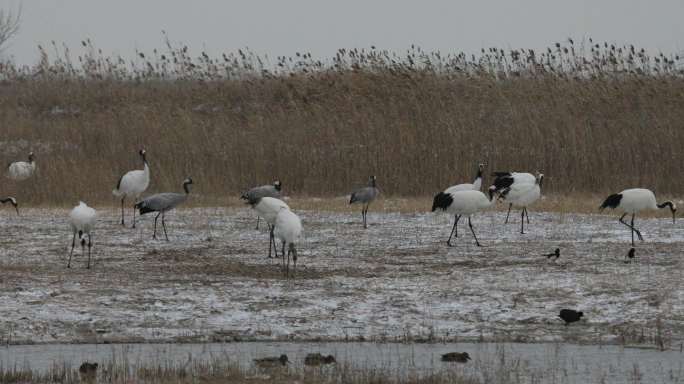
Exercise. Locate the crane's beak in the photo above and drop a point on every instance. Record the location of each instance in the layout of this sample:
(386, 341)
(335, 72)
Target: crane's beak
(674, 212)
(17, 208)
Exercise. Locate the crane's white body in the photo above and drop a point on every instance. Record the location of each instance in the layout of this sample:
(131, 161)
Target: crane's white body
(133, 183)
(82, 221)
(523, 194)
(82, 218)
(636, 200)
(21, 170)
(268, 208)
(288, 228)
(468, 202)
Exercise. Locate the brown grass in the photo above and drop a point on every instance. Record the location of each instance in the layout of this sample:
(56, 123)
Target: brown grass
(593, 119)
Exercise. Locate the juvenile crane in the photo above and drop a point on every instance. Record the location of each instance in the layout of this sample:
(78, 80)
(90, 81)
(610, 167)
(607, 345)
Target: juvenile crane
(133, 184)
(82, 221)
(461, 203)
(521, 194)
(633, 201)
(162, 203)
(288, 228)
(365, 196)
(263, 191)
(22, 170)
(268, 208)
(10, 200)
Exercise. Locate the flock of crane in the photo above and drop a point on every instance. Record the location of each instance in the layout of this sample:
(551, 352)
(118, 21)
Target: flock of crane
(517, 189)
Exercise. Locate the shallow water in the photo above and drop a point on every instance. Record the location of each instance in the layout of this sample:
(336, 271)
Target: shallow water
(557, 362)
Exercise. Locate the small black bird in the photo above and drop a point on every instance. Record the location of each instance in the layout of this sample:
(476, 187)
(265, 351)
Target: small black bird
(630, 255)
(554, 253)
(570, 315)
(457, 357)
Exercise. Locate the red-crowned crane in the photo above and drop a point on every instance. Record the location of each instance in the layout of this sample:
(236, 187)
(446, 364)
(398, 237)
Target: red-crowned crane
(82, 221)
(461, 203)
(633, 201)
(133, 184)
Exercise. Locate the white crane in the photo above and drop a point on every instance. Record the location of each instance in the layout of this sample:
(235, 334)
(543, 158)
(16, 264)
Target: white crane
(263, 191)
(476, 185)
(133, 184)
(505, 180)
(82, 220)
(12, 200)
(22, 170)
(633, 201)
(365, 196)
(461, 203)
(521, 194)
(268, 208)
(162, 203)
(288, 228)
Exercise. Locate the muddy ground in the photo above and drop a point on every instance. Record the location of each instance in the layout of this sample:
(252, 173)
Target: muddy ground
(395, 281)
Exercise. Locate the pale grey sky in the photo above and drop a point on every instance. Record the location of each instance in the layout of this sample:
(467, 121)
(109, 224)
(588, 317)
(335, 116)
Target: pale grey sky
(278, 27)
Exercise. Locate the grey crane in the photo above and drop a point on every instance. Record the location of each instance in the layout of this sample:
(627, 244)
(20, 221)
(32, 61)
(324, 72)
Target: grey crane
(163, 202)
(365, 196)
(256, 193)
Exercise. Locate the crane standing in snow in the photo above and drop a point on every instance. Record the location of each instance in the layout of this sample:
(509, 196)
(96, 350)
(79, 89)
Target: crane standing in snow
(133, 184)
(633, 201)
(288, 228)
(475, 186)
(163, 202)
(22, 170)
(263, 191)
(268, 208)
(365, 196)
(517, 190)
(82, 220)
(461, 203)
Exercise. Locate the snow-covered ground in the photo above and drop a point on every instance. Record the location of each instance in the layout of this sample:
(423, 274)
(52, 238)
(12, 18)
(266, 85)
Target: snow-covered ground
(397, 280)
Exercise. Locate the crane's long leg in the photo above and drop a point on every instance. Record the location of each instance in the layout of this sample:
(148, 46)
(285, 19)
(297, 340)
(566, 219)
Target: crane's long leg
(510, 205)
(164, 226)
(282, 254)
(257, 227)
(133, 215)
(364, 212)
(287, 268)
(154, 234)
(527, 215)
(454, 229)
(294, 259)
(522, 221)
(90, 246)
(272, 241)
(122, 210)
(73, 244)
(470, 224)
(631, 227)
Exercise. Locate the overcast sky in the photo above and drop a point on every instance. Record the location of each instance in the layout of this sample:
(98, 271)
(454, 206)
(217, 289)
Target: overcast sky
(280, 27)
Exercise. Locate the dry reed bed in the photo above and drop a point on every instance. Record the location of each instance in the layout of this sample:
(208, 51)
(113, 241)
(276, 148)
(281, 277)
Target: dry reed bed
(593, 121)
